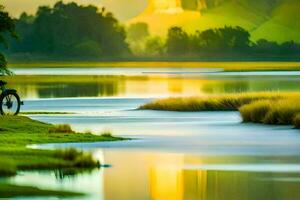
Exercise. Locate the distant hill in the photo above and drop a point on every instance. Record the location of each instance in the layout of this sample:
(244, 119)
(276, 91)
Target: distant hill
(270, 19)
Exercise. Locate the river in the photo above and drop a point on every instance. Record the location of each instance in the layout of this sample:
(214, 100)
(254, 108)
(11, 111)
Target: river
(184, 156)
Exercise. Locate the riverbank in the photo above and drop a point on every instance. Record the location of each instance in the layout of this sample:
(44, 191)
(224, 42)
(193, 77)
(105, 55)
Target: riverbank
(227, 66)
(16, 133)
(266, 108)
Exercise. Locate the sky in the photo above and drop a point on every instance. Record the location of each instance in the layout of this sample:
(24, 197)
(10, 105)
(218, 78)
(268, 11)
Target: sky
(122, 9)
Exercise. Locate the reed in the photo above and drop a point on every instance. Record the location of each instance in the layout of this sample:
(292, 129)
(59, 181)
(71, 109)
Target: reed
(62, 128)
(297, 121)
(229, 102)
(278, 112)
(267, 108)
(255, 111)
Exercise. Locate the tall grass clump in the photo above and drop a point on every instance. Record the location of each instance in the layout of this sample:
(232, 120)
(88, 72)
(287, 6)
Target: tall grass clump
(106, 133)
(283, 112)
(7, 168)
(279, 112)
(77, 158)
(229, 102)
(256, 111)
(297, 121)
(62, 128)
(267, 108)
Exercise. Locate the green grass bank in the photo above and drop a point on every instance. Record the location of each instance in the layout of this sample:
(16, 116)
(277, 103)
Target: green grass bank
(267, 108)
(16, 133)
(11, 191)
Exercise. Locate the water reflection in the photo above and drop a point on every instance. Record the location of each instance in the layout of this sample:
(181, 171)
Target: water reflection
(163, 176)
(61, 174)
(146, 86)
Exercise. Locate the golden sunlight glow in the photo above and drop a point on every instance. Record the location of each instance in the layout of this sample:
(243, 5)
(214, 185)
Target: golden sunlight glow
(155, 176)
(162, 14)
(166, 6)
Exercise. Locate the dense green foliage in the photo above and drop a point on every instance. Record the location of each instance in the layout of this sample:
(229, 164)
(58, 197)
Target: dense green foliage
(6, 26)
(220, 43)
(226, 42)
(70, 30)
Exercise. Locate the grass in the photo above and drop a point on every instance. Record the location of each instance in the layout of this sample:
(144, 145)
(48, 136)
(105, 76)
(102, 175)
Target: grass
(106, 133)
(7, 168)
(230, 102)
(279, 112)
(266, 108)
(297, 121)
(10, 191)
(62, 128)
(255, 111)
(17, 132)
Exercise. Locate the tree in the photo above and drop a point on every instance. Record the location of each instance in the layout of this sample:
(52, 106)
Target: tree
(6, 26)
(234, 38)
(177, 41)
(67, 29)
(225, 38)
(209, 39)
(264, 46)
(154, 46)
(138, 31)
(290, 48)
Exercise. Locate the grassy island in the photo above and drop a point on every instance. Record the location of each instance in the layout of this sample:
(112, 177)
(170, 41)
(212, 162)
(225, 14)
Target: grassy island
(16, 133)
(267, 108)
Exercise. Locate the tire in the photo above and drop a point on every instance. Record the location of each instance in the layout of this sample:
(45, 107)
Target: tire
(4, 108)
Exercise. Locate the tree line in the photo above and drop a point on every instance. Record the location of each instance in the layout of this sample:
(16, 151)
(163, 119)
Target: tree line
(226, 41)
(70, 30)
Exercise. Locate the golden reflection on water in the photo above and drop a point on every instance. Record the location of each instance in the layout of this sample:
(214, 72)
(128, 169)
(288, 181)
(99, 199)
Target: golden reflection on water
(163, 176)
(142, 86)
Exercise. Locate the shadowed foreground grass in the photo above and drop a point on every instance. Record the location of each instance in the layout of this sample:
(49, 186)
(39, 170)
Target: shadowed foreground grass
(18, 132)
(267, 108)
(297, 121)
(10, 191)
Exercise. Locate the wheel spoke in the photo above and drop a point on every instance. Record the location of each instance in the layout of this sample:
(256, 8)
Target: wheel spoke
(10, 104)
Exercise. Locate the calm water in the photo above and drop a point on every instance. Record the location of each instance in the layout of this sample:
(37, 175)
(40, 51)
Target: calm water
(176, 156)
(144, 82)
